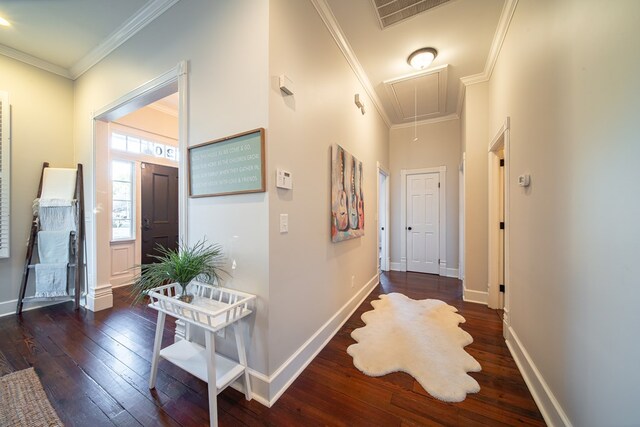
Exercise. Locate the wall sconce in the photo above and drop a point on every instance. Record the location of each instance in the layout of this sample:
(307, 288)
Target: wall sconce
(422, 58)
(359, 103)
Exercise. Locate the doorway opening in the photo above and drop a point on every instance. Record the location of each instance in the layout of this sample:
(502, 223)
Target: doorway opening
(141, 182)
(383, 219)
(139, 196)
(499, 221)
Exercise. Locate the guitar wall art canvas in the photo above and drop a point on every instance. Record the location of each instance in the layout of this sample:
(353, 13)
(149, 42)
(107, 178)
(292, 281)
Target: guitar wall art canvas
(347, 200)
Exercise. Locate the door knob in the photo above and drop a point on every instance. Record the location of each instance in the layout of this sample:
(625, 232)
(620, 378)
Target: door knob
(409, 228)
(146, 224)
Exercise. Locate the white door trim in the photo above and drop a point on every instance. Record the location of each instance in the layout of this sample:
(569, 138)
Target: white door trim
(384, 266)
(500, 141)
(173, 80)
(442, 171)
(461, 218)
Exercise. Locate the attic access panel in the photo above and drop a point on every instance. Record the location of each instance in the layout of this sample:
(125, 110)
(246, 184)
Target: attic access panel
(431, 88)
(391, 12)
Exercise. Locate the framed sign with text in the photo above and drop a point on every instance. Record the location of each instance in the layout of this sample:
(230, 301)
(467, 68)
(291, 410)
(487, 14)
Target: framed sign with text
(231, 165)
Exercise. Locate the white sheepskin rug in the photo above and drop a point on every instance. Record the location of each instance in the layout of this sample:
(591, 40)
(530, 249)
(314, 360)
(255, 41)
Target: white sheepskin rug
(421, 338)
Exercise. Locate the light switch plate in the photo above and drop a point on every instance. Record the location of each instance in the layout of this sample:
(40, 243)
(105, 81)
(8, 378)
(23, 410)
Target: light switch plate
(284, 223)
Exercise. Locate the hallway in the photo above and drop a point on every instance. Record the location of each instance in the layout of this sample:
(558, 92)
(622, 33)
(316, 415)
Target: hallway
(94, 368)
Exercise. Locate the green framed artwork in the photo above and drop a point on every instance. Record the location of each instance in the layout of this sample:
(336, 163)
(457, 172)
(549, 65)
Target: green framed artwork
(226, 166)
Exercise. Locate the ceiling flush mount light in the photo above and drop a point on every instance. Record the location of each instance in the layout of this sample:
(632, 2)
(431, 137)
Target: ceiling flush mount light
(4, 22)
(422, 58)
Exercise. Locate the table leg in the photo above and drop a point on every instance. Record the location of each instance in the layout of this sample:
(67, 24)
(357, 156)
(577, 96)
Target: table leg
(156, 349)
(239, 329)
(211, 378)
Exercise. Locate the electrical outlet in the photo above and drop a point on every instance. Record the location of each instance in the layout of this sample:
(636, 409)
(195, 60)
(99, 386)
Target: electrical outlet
(353, 281)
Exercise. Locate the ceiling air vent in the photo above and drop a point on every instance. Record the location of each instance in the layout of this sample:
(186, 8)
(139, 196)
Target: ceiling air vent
(393, 11)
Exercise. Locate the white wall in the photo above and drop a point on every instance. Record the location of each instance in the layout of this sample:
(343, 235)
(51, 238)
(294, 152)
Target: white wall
(567, 76)
(476, 138)
(226, 45)
(41, 128)
(438, 144)
(310, 277)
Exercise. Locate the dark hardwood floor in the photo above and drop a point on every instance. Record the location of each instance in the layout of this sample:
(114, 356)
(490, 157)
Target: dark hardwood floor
(95, 368)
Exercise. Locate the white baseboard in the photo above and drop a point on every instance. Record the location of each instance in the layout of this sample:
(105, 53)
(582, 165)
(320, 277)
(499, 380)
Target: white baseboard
(506, 322)
(449, 272)
(478, 297)
(397, 266)
(268, 389)
(443, 270)
(9, 307)
(544, 398)
(100, 297)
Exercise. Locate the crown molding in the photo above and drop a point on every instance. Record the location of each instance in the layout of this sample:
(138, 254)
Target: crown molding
(32, 60)
(461, 92)
(448, 117)
(498, 39)
(332, 25)
(501, 33)
(128, 29)
(496, 46)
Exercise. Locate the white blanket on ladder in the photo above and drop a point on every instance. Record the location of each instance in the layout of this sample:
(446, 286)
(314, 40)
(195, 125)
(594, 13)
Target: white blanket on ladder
(53, 247)
(56, 214)
(51, 280)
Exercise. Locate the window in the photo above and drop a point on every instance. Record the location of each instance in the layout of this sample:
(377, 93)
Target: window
(122, 200)
(5, 174)
(135, 145)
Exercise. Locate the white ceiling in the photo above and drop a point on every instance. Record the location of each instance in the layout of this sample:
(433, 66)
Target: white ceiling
(462, 32)
(67, 37)
(62, 31)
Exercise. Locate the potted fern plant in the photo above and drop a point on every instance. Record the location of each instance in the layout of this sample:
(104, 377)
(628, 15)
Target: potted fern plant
(202, 261)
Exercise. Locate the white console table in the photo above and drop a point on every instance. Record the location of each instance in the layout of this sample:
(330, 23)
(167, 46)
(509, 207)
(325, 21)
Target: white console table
(212, 309)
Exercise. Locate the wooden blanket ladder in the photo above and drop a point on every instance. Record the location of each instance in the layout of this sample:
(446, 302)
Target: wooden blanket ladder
(77, 243)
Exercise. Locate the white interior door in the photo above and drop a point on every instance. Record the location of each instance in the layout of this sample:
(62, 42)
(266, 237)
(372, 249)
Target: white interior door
(423, 223)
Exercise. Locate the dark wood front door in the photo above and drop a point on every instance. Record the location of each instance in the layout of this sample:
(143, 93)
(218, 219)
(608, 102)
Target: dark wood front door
(159, 209)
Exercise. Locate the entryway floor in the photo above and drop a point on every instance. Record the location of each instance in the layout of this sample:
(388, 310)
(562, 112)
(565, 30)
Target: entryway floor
(95, 368)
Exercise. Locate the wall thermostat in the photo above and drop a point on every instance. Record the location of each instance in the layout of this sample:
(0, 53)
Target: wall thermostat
(284, 179)
(524, 180)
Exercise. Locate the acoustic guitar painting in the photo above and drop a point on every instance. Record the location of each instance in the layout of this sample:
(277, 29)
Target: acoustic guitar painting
(353, 205)
(347, 206)
(342, 219)
(360, 199)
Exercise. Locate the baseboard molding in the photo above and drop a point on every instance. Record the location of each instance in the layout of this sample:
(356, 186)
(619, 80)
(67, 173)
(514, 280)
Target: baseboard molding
(100, 298)
(449, 272)
(478, 297)
(544, 398)
(8, 308)
(397, 266)
(443, 270)
(268, 389)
